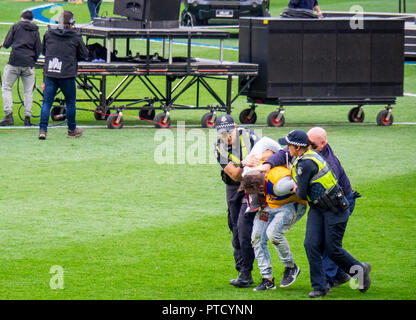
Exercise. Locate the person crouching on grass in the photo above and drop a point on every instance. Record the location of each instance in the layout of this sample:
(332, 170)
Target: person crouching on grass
(279, 211)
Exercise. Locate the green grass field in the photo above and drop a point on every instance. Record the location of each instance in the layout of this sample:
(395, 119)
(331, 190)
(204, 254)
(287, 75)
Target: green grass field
(123, 226)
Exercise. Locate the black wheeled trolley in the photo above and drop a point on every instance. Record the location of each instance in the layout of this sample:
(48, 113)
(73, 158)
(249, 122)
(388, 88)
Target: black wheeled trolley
(330, 61)
(180, 73)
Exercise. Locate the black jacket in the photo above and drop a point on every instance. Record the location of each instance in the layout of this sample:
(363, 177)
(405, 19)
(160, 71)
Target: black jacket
(24, 39)
(63, 48)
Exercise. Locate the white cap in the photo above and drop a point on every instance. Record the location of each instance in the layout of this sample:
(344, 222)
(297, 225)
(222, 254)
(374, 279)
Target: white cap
(284, 186)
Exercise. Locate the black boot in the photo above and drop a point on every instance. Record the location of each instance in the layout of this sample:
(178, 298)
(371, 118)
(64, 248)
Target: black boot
(244, 280)
(27, 122)
(7, 120)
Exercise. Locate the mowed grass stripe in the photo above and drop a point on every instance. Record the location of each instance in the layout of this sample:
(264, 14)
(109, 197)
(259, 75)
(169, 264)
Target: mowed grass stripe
(194, 261)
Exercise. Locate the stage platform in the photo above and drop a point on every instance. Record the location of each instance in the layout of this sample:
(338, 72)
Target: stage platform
(195, 67)
(180, 73)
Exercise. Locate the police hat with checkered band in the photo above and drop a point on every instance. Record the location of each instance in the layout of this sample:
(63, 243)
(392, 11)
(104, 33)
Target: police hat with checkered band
(296, 138)
(224, 123)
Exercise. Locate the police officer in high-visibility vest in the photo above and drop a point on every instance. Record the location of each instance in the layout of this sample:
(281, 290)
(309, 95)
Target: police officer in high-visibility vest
(233, 145)
(327, 217)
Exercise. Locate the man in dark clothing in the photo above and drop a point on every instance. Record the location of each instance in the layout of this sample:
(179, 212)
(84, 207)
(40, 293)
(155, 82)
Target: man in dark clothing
(24, 39)
(328, 214)
(94, 8)
(233, 145)
(319, 142)
(305, 4)
(63, 47)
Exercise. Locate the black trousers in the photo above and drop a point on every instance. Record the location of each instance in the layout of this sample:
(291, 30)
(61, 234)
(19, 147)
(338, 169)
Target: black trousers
(241, 226)
(325, 230)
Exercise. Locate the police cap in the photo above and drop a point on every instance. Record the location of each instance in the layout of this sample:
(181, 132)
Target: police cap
(295, 137)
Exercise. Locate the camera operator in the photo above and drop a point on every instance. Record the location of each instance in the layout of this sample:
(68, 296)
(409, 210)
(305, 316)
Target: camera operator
(63, 47)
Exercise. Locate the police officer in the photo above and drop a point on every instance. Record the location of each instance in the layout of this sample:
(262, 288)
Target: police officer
(233, 145)
(319, 143)
(328, 214)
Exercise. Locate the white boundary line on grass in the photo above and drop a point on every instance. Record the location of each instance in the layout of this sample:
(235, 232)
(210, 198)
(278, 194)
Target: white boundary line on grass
(172, 127)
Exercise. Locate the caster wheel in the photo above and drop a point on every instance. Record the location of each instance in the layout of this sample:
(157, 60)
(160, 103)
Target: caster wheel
(208, 120)
(188, 19)
(147, 113)
(248, 116)
(384, 119)
(274, 121)
(101, 114)
(114, 123)
(356, 115)
(58, 114)
(161, 122)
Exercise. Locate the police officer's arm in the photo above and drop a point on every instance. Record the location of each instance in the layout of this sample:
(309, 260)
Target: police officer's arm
(305, 170)
(233, 171)
(279, 158)
(253, 160)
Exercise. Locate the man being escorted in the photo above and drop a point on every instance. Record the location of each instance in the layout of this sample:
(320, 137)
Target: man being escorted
(63, 47)
(24, 39)
(328, 214)
(279, 211)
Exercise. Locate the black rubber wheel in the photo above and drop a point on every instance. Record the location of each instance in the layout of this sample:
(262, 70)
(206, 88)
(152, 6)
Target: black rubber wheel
(100, 114)
(113, 124)
(188, 19)
(353, 115)
(208, 120)
(161, 122)
(382, 118)
(248, 116)
(272, 119)
(58, 113)
(147, 113)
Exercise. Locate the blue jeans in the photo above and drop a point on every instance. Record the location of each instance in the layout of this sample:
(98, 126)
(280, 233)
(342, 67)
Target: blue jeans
(279, 221)
(68, 88)
(94, 9)
(332, 271)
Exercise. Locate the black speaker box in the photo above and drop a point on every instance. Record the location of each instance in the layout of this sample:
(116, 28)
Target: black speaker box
(150, 13)
(323, 58)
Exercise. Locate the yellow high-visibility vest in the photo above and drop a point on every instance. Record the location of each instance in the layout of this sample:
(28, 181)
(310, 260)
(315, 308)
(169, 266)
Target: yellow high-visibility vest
(244, 142)
(324, 177)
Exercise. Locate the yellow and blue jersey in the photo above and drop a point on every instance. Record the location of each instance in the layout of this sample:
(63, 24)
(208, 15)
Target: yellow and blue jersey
(272, 199)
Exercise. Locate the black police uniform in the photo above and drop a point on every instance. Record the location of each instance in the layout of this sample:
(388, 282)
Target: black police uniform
(239, 222)
(324, 228)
